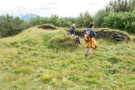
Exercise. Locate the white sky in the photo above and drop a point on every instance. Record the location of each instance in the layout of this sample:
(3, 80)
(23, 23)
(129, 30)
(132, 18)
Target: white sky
(69, 8)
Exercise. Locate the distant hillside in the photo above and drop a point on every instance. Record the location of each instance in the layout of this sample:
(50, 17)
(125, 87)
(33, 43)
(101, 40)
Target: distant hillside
(27, 17)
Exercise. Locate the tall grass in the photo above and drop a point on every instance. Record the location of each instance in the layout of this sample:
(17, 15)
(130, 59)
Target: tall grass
(26, 63)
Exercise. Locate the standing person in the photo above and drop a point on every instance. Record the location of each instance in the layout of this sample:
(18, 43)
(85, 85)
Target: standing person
(90, 40)
(72, 30)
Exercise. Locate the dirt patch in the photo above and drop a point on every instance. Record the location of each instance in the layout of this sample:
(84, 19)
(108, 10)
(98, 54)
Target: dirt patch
(47, 27)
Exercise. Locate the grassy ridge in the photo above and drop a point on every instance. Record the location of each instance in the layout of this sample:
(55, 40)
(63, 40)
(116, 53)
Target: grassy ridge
(35, 60)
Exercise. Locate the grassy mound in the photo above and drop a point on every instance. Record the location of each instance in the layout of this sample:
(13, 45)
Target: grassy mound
(29, 61)
(47, 27)
(59, 39)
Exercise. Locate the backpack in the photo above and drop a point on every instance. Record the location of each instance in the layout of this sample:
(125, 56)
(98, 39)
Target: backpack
(91, 34)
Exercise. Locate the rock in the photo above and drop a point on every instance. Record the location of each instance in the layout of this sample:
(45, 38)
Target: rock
(107, 34)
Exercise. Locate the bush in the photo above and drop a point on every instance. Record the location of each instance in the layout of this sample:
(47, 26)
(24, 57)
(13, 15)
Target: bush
(99, 17)
(124, 21)
(11, 26)
(84, 20)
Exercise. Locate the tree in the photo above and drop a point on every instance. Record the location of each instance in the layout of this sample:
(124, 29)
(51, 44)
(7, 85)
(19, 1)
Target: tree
(99, 17)
(132, 5)
(84, 20)
(119, 6)
(11, 26)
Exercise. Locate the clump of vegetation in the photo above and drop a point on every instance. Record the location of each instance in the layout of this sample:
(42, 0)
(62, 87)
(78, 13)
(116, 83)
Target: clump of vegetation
(46, 78)
(59, 39)
(114, 60)
(118, 14)
(11, 26)
(124, 21)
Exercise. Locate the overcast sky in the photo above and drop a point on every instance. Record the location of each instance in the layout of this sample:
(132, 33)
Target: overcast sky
(65, 8)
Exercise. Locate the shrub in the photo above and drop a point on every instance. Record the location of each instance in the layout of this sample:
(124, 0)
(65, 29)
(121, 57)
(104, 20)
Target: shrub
(124, 21)
(11, 26)
(99, 17)
(84, 20)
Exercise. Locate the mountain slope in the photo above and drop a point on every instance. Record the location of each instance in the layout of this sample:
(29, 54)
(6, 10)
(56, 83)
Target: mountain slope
(30, 61)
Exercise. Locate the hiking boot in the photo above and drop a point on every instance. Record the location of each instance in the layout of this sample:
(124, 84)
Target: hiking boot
(86, 55)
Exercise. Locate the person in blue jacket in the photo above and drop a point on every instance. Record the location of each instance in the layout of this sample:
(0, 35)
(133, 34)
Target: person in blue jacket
(72, 30)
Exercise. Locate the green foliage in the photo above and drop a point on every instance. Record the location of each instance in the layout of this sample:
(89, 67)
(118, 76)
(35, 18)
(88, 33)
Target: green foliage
(81, 21)
(99, 18)
(11, 26)
(118, 14)
(54, 19)
(124, 21)
(132, 5)
(119, 6)
(84, 20)
(35, 21)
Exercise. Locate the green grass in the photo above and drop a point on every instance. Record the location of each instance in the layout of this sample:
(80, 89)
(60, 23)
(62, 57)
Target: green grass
(39, 59)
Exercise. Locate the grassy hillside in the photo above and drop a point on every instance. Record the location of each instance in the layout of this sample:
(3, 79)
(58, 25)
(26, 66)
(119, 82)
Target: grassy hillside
(40, 59)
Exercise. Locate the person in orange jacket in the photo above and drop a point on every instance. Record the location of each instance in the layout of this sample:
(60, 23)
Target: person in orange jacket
(90, 39)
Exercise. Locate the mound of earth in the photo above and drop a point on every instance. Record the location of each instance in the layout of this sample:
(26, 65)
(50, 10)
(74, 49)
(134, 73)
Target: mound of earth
(59, 39)
(47, 27)
(107, 34)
